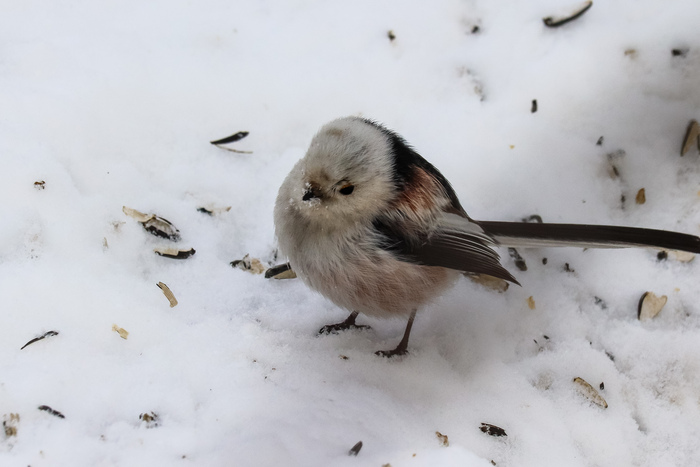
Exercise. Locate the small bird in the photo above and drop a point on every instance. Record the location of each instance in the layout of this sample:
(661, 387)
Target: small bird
(374, 227)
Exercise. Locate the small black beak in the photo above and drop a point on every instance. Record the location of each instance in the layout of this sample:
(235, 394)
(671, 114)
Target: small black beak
(312, 191)
(308, 194)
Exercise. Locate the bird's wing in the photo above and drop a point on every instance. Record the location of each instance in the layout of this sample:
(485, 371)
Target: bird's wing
(456, 243)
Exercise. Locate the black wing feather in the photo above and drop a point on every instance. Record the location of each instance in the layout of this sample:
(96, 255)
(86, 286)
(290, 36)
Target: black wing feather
(463, 249)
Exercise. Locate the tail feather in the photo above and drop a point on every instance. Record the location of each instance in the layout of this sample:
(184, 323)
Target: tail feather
(521, 234)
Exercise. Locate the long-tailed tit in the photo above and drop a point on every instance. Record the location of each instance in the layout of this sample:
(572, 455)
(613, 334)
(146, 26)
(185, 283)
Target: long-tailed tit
(375, 228)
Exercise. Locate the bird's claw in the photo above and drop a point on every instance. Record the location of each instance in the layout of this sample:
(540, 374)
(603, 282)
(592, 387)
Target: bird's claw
(336, 328)
(391, 353)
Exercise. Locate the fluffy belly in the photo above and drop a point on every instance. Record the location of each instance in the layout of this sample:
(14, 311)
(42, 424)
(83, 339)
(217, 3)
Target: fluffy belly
(380, 286)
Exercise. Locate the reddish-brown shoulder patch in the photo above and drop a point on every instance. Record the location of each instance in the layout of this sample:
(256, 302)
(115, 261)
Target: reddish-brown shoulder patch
(422, 192)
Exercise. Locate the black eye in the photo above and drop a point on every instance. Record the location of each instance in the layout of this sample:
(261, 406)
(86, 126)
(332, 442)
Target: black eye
(346, 189)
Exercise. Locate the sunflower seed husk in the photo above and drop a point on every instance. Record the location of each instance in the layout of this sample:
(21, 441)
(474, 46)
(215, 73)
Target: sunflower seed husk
(531, 302)
(230, 139)
(554, 22)
(53, 412)
(492, 430)
(44, 336)
(355, 450)
(252, 265)
(444, 440)
(590, 393)
(213, 211)
(9, 423)
(281, 271)
(155, 225)
(168, 294)
(174, 253)
(682, 256)
(490, 282)
(150, 419)
(650, 305)
(123, 333)
(692, 137)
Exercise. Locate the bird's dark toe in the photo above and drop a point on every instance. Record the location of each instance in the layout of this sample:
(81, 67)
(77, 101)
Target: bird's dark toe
(391, 353)
(339, 327)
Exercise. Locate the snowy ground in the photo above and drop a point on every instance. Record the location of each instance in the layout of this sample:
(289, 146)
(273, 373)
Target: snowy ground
(113, 104)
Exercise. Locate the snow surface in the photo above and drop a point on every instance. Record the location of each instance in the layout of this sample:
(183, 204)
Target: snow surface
(113, 104)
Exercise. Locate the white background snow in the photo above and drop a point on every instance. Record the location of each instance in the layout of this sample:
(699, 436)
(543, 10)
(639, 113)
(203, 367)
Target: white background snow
(113, 104)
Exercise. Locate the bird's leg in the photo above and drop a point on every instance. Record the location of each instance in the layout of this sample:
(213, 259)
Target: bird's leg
(402, 348)
(349, 323)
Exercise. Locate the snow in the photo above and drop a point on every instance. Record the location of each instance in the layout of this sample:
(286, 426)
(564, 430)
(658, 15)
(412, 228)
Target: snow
(113, 104)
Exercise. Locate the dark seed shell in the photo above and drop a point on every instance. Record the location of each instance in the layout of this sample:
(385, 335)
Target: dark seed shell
(231, 139)
(355, 450)
(53, 412)
(492, 430)
(556, 22)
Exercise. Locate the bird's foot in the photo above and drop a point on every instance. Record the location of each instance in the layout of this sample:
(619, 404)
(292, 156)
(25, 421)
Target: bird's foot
(349, 323)
(397, 352)
(336, 328)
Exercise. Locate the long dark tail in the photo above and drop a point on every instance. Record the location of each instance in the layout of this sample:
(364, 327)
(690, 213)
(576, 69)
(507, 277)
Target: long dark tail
(522, 234)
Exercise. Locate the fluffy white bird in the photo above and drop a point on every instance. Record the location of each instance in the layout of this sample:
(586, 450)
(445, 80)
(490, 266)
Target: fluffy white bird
(374, 227)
